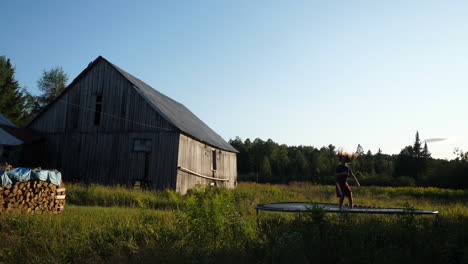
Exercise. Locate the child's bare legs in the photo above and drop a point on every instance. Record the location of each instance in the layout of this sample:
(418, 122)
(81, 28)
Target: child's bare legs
(350, 199)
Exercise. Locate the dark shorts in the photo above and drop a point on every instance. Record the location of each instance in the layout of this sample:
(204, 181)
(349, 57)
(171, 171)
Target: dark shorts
(343, 190)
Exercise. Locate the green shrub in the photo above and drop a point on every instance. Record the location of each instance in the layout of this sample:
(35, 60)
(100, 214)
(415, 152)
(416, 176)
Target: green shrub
(211, 223)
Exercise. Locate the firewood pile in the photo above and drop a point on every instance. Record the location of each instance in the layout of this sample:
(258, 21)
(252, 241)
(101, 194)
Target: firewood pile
(32, 196)
(5, 167)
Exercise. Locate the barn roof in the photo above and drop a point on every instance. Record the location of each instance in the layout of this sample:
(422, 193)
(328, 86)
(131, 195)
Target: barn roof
(5, 121)
(176, 113)
(5, 137)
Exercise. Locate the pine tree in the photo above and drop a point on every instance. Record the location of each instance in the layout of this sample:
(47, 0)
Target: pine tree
(359, 150)
(13, 100)
(417, 146)
(425, 153)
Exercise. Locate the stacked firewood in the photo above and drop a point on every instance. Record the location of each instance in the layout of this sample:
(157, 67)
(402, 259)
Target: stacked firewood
(5, 167)
(32, 196)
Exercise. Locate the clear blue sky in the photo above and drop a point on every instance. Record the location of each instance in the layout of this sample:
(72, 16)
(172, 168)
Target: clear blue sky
(298, 72)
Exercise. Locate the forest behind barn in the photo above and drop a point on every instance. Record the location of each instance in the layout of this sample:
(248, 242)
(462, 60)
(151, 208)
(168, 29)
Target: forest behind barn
(269, 162)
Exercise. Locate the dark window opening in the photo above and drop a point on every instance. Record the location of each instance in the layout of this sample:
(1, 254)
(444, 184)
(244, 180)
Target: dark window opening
(214, 159)
(142, 145)
(98, 110)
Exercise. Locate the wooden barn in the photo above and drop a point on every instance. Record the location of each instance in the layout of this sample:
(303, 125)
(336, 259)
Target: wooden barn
(109, 127)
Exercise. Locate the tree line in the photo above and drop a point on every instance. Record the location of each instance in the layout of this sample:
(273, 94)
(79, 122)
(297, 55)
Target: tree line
(17, 103)
(269, 162)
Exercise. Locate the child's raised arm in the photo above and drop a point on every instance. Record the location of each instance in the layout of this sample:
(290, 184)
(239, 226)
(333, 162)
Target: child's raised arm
(355, 179)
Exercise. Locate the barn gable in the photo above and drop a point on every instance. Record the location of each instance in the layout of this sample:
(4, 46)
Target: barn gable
(123, 108)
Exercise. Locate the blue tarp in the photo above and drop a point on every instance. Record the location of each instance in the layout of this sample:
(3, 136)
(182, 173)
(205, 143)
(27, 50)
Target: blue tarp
(24, 174)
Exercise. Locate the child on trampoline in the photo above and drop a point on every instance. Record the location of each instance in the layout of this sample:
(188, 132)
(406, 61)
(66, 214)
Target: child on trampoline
(342, 172)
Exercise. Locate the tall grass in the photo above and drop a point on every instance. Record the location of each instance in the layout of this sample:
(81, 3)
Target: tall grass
(98, 195)
(212, 225)
(80, 235)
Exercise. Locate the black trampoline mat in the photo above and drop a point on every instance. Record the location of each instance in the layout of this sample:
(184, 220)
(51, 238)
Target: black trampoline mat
(333, 208)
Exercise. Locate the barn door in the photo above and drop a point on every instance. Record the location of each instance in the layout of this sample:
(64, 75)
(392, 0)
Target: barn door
(141, 162)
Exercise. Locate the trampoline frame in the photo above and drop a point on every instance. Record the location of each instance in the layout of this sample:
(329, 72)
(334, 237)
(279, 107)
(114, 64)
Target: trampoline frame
(358, 209)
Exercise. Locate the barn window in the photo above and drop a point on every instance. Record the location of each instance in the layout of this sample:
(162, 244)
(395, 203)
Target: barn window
(98, 110)
(142, 145)
(214, 159)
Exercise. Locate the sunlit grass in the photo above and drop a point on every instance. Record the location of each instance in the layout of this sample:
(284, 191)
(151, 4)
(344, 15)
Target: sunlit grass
(114, 224)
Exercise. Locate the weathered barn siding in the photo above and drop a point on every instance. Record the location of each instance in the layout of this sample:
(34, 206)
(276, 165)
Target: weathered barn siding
(197, 157)
(104, 153)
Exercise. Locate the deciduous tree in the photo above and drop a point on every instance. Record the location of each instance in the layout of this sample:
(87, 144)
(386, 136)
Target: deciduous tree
(51, 83)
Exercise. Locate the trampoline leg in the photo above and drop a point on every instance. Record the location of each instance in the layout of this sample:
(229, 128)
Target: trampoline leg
(258, 221)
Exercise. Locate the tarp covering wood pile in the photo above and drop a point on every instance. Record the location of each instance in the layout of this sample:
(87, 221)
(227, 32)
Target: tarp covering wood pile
(24, 174)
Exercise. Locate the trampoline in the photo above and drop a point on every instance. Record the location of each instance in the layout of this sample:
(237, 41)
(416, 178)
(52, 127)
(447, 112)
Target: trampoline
(299, 207)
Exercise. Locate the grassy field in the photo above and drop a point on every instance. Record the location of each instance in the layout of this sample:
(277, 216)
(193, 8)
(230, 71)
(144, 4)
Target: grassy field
(210, 225)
